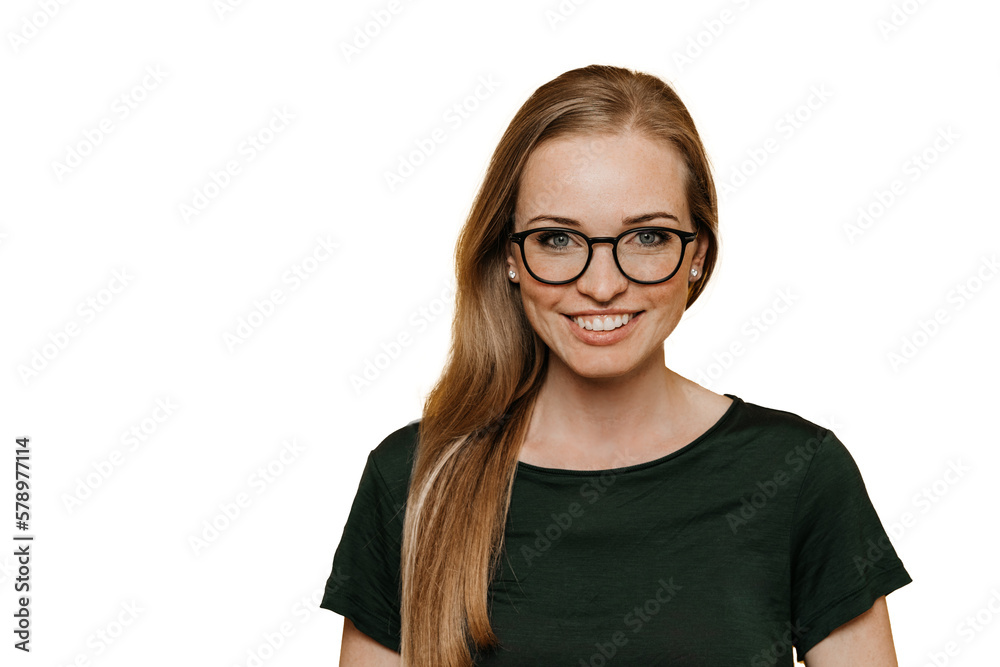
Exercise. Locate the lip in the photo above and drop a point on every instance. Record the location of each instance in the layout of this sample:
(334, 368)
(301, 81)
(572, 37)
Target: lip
(602, 313)
(604, 337)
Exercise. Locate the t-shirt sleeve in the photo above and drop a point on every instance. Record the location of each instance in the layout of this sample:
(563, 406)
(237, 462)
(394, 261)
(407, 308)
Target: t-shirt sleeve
(364, 584)
(841, 557)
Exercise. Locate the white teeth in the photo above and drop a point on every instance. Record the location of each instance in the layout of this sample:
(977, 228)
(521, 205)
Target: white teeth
(603, 323)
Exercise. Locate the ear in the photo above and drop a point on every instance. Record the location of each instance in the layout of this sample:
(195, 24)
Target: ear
(512, 263)
(700, 248)
(511, 259)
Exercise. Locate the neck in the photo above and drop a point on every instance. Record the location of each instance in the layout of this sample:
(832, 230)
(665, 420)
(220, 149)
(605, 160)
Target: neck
(574, 413)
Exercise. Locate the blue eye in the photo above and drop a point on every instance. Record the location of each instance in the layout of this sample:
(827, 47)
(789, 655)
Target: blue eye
(653, 239)
(544, 237)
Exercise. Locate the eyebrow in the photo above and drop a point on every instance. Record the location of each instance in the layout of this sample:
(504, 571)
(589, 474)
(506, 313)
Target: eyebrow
(632, 220)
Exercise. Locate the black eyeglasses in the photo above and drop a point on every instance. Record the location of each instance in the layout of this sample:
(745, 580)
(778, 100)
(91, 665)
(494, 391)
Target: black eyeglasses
(646, 255)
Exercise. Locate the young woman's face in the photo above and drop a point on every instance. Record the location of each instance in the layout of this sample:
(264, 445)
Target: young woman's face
(601, 182)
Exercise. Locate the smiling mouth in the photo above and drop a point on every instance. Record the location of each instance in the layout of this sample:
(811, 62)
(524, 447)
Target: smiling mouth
(606, 323)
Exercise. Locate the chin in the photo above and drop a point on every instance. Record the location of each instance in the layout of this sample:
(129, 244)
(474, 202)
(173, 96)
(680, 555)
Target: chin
(610, 366)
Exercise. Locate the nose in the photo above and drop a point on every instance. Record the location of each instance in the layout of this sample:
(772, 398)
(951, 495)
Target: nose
(602, 280)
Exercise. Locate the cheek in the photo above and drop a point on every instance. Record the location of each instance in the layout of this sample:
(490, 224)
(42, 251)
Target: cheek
(536, 301)
(671, 300)
(540, 305)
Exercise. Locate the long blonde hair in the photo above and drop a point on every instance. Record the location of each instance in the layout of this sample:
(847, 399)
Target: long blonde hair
(476, 416)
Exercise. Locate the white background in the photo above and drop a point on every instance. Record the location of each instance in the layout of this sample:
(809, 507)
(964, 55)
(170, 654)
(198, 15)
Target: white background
(190, 281)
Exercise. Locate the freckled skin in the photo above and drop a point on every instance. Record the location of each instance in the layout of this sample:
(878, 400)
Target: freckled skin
(630, 175)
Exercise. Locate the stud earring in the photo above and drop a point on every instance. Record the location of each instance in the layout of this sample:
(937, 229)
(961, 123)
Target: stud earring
(694, 272)
(512, 274)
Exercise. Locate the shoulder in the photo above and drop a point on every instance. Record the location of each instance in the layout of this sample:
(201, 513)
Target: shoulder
(393, 458)
(772, 423)
(769, 439)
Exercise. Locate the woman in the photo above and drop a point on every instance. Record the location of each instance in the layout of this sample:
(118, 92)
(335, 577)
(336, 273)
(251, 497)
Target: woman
(572, 500)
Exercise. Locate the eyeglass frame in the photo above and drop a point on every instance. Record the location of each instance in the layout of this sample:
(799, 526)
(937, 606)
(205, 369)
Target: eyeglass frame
(685, 237)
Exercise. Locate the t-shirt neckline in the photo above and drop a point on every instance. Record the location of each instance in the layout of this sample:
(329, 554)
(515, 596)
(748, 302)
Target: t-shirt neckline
(726, 416)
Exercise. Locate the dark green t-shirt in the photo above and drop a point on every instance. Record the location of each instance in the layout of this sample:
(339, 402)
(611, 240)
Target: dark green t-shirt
(757, 536)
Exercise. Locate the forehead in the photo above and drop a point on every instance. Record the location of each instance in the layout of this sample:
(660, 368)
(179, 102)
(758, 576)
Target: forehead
(599, 178)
